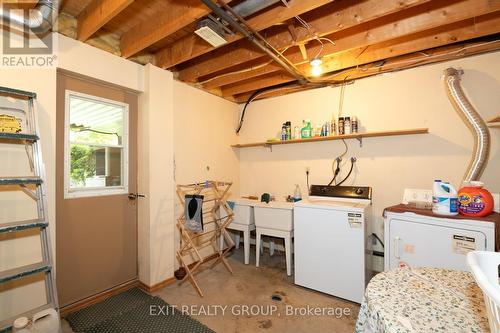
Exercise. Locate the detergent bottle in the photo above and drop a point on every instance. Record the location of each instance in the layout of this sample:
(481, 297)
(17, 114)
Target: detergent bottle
(474, 200)
(444, 199)
(306, 130)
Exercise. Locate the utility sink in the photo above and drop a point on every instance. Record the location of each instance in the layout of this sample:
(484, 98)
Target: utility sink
(274, 215)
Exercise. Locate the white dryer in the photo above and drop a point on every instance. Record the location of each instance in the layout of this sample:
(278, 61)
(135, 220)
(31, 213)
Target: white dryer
(331, 239)
(432, 241)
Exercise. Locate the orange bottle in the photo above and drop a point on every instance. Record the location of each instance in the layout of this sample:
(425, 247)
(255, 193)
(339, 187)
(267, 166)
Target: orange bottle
(474, 200)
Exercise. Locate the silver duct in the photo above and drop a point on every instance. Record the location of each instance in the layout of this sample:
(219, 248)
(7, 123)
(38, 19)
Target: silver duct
(473, 120)
(39, 20)
(250, 7)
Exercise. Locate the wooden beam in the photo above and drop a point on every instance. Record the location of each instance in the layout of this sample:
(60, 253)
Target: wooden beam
(452, 33)
(193, 46)
(337, 16)
(263, 81)
(415, 20)
(97, 14)
(445, 53)
(148, 32)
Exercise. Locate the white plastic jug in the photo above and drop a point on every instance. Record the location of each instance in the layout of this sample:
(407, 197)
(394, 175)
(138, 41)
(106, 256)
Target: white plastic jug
(444, 199)
(46, 321)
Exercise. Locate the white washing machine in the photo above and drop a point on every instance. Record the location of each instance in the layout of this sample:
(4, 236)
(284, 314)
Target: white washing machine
(331, 249)
(431, 241)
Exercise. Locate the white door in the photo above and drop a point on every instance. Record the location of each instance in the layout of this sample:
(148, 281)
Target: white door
(329, 253)
(430, 245)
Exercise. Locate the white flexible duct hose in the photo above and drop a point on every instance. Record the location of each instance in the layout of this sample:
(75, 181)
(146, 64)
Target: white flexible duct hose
(473, 120)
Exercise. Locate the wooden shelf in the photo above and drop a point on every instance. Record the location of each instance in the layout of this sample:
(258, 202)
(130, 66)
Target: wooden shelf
(358, 136)
(495, 122)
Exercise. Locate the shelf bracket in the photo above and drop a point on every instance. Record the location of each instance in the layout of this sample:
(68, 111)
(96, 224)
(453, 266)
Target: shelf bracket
(269, 146)
(360, 139)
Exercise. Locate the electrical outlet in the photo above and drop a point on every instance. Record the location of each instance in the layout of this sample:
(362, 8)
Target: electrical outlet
(308, 169)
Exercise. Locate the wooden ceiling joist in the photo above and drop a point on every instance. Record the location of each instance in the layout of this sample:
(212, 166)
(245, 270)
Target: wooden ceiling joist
(97, 14)
(193, 46)
(439, 54)
(358, 38)
(369, 36)
(456, 32)
(148, 32)
(338, 16)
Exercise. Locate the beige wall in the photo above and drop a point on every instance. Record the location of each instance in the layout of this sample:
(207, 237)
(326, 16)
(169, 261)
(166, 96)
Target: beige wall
(25, 248)
(203, 132)
(156, 145)
(402, 100)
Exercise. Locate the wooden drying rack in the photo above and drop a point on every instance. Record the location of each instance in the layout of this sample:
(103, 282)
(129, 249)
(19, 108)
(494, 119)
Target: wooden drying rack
(214, 203)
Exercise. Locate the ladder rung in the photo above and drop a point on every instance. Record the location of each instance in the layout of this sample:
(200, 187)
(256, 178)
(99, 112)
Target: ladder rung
(19, 272)
(17, 92)
(19, 136)
(22, 225)
(20, 180)
(6, 324)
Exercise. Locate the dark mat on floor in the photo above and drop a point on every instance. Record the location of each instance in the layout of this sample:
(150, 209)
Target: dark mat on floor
(131, 312)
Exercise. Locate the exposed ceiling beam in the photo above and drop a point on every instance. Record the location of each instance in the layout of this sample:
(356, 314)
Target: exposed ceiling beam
(455, 32)
(148, 32)
(97, 14)
(338, 16)
(444, 53)
(384, 31)
(193, 46)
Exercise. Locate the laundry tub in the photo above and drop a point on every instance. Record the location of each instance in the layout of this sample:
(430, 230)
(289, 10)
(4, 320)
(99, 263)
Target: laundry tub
(275, 219)
(274, 215)
(243, 220)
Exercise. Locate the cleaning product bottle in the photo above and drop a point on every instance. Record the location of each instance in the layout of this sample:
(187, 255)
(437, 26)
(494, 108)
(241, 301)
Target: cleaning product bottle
(297, 196)
(444, 199)
(474, 200)
(306, 130)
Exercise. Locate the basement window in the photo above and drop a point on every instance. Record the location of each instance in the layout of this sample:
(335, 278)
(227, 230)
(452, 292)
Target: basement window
(96, 146)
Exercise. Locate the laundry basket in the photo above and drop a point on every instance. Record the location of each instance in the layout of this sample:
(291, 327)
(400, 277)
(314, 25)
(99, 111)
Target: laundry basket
(484, 267)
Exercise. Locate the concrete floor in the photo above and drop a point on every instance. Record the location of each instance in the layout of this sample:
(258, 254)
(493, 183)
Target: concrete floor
(242, 302)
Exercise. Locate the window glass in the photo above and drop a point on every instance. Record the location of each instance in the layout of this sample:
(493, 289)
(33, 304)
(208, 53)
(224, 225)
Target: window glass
(96, 137)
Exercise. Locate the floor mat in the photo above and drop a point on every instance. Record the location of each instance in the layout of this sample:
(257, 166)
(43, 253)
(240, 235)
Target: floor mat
(130, 312)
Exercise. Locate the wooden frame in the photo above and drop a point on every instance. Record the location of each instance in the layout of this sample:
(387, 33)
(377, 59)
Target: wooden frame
(214, 205)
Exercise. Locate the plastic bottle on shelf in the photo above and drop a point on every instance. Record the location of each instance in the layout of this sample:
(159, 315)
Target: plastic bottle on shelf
(306, 130)
(296, 132)
(283, 132)
(347, 125)
(341, 126)
(333, 127)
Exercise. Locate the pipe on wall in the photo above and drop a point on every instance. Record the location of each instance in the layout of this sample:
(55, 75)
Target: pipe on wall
(39, 20)
(473, 120)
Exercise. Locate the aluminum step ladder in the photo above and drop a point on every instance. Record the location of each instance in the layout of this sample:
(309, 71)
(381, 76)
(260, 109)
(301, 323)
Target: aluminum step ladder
(29, 138)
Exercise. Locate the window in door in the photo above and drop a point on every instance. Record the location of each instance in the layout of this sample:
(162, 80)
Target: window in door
(96, 146)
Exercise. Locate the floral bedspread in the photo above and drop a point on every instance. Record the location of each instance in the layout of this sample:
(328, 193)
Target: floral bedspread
(422, 300)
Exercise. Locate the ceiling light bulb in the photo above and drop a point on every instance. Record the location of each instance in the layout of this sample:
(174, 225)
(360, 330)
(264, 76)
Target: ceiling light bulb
(316, 62)
(316, 70)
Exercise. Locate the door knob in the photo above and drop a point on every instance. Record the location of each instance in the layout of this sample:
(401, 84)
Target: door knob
(134, 196)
